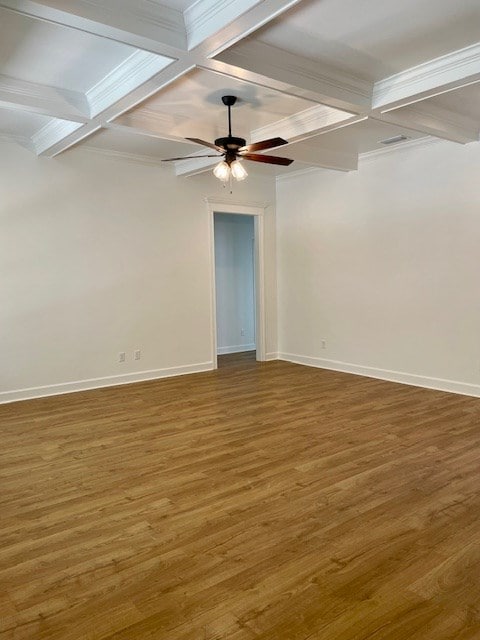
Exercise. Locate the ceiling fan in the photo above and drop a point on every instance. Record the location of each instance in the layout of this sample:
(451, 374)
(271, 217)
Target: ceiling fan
(233, 149)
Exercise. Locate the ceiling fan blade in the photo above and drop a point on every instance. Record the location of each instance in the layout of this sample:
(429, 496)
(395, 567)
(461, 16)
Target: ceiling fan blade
(208, 155)
(206, 144)
(268, 159)
(263, 144)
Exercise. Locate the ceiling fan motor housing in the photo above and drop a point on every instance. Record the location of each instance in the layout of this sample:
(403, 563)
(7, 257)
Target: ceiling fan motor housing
(230, 143)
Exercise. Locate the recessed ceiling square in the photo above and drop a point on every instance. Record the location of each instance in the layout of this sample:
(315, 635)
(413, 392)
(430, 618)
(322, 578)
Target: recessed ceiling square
(54, 55)
(195, 106)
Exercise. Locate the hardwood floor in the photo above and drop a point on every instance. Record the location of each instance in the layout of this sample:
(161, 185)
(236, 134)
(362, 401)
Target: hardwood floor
(268, 501)
(238, 360)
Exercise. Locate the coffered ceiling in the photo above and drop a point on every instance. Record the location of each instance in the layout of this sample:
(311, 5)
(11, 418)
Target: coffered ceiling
(333, 77)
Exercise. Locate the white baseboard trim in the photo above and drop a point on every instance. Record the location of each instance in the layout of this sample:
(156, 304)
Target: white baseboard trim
(236, 348)
(439, 384)
(97, 383)
(271, 356)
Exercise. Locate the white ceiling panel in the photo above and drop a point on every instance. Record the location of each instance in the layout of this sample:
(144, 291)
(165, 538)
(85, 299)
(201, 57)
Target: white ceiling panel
(55, 55)
(375, 38)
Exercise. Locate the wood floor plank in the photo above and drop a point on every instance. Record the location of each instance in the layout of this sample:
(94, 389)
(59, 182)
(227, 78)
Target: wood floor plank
(260, 501)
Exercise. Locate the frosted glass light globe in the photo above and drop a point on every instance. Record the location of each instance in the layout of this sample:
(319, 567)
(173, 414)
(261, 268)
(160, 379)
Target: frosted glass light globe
(238, 170)
(222, 171)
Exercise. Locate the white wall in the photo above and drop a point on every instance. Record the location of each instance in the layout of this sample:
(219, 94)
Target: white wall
(100, 255)
(384, 265)
(234, 281)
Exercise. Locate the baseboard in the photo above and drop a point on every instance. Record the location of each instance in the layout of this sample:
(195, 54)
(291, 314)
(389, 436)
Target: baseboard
(237, 348)
(271, 356)
(439, 384)
(97, 383)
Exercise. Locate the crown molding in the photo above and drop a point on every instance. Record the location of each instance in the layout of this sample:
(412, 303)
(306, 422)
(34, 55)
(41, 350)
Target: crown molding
(214, 201)
(51, 133)
(132, 158)
(409, 145)
(305, 124)
(451, 118)
(213, 26)
(23, 141)
(155, 124)
(42, 99)
(205, 17)
(152, 14)
(456, 69)
(194, 165)
(145, 116)
(299, 172)
(139, 67)
(151, 132)
(433, 120)
(318, 156)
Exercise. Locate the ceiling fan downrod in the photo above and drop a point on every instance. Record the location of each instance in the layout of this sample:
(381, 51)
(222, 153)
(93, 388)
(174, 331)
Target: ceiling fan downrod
(230, 143)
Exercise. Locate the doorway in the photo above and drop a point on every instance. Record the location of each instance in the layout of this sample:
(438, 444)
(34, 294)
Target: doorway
(234, 238)
(237, 278)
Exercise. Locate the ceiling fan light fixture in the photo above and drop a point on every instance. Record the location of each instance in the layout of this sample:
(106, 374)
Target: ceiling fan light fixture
(238, 170)
(222, 171)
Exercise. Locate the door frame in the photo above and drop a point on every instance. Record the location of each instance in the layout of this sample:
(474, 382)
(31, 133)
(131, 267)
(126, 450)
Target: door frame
(257, 211)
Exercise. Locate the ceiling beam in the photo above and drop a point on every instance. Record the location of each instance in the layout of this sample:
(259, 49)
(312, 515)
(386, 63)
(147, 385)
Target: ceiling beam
(194, 166)
(216, 25)
(206, 17)
(52, 133)
(44, 100)
(434, 121)
(305, 124)
(141, 24)
(320, 157)
(268, 66)
(131, 123)
(23, 141)
(457, 69)
(164, 126)
(138, 68)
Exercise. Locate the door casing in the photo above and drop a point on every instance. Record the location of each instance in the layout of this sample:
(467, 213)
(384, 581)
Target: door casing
(239, 208)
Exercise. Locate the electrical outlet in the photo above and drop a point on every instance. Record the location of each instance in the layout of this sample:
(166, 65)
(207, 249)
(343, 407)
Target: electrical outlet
(242, 332)
(137, 354)
(121, 356)
(324, 344)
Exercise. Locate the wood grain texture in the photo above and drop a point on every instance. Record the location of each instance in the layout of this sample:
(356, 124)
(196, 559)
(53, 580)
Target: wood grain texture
(260, 501)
